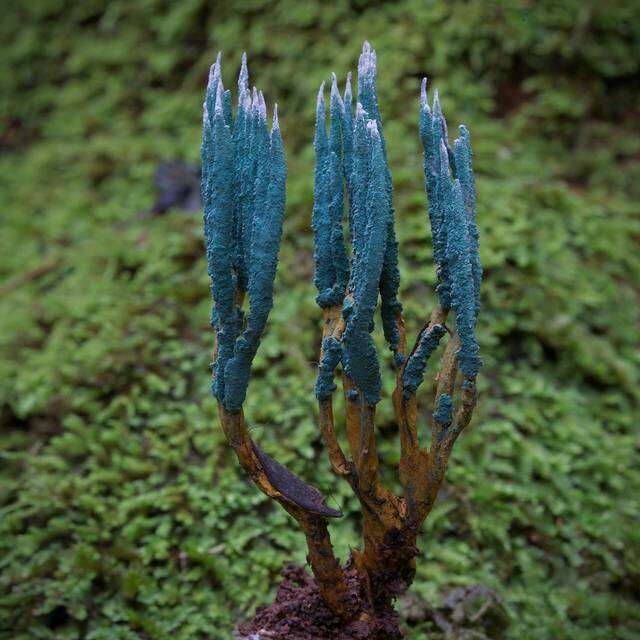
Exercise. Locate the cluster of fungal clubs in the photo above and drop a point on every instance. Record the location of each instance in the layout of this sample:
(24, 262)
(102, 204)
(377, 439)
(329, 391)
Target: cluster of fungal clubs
(243, 188)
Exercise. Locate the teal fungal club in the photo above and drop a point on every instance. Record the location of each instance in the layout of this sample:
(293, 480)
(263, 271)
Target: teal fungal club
(356, 149)
(414, 369)
(243, 191)
(356, 275)
(444, 410)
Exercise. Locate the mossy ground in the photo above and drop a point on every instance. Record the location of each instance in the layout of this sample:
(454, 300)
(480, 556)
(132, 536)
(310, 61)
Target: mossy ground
(123, 515)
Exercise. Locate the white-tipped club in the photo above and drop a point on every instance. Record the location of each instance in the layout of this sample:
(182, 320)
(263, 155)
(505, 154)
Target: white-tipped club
(276, 124)
(423, 94)
(219, 98)
(254, 102)
(262, 107)
(347, 89)
(437, 109)
(244, 100)
(320, 100)
(243, 76)
(367, 61)
(335, 93)
(214, 72)
(444, 159)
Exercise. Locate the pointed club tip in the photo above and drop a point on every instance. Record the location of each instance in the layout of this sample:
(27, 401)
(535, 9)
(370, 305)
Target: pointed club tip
(320, 100)
(219, 97)
(436, 102)
(367, 60)
(262, 106)
(423, 92)
(347, 85)
(335, 92)
(276, 124)
(243, 76)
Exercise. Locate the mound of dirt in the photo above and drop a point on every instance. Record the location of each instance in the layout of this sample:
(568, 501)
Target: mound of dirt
(299, 613)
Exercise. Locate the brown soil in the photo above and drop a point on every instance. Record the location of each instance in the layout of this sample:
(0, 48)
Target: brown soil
(299, 613)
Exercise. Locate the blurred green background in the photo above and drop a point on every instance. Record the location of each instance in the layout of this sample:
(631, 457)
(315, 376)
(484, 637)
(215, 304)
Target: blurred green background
(123, 514)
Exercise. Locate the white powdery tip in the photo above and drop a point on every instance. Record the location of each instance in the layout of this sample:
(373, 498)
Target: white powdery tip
(347, 86)
(243, 76)
(245, 100)
(366, 65)
(360, 112)
(320, 100)
(276, 124)
(436, 103)
(367, 61)
(262, 106)
(219, 97)
(335, 93)
(423, 92)
(214, 74)
(334, 84)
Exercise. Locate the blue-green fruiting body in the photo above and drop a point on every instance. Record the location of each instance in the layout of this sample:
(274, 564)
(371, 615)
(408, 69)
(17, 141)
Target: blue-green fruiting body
(390, 277)
(324, 277)
(347, 145)
(217, 191)
(452, 213)
(331, 261)
(444, 410)
(352, 145)
(336, 200)
(331, 356)
(464, 172)
(413, 373)
(360, 357)
(243, 187)
(458, 259)
(433, 129)
(355, 153)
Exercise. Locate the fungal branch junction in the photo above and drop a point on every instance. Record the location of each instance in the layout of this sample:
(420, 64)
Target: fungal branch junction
(356, 271)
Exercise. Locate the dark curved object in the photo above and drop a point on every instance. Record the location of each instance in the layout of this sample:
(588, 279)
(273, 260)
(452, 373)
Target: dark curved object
(293, 488)
(177, 186)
